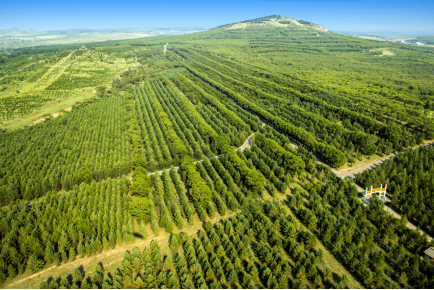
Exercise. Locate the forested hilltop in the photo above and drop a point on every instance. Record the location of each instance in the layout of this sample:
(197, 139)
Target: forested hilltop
(236, 131)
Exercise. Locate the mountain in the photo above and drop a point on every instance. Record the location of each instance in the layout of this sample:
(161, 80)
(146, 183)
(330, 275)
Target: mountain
(274, 20)
(17, 32)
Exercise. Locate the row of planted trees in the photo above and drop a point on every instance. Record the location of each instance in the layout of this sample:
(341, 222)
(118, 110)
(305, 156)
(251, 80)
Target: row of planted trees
(66, 151)
(262, 247)
(59, 228)
(273, 93)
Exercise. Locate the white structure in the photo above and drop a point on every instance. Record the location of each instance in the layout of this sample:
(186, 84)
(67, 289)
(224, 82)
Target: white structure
(381, 192)
(165, 47)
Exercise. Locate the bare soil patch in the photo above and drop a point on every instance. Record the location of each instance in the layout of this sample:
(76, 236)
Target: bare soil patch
(54, 115)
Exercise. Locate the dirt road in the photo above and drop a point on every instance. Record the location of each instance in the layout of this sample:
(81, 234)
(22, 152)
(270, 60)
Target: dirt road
(243, 147)
(370, 166)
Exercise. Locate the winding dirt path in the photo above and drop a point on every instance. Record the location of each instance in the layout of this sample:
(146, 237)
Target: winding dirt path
(243, 147)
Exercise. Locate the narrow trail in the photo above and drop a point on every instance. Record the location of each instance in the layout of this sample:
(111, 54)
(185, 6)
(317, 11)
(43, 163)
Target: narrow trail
(46, 76)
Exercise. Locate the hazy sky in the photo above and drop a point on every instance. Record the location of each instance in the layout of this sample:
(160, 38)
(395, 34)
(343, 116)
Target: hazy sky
(336, 15)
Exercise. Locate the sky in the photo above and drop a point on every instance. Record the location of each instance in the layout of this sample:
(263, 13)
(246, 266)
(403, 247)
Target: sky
(366, 16)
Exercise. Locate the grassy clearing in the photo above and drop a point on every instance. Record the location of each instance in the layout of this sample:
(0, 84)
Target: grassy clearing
(48, 109)
(384, 50)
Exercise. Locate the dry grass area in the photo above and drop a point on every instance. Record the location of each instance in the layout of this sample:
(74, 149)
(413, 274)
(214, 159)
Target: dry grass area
(54, 115)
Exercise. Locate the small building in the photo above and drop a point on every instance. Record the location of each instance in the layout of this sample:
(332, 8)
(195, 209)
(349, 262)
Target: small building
(429, 256)
(83, 48)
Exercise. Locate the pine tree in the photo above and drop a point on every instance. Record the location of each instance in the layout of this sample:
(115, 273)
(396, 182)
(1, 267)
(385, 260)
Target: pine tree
(112, 239)
(255, 274)
(171, 281)
(283, 282)
(403, 278)
(57, 259)
(301, 274)
(72, 254)
(49, 253)
(42, 285)
(64, 255)
(209, 275)
(200, 212)
(53, 285)
(328, 275)
(97, 277)
(34, 263)
(169, 225)
(119, 238)
(77, 275)
(312, 271)
(220, 251)
(317, 281)
(138, 283)
(216, 285)
(233, 277)
(211, 210)
(105, 243)
(128, 281)
(155, 227)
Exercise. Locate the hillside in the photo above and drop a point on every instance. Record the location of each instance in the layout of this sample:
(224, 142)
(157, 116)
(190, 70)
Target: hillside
(215, 163)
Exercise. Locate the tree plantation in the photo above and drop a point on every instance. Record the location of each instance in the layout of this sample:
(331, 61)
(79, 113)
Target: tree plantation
(216, 164)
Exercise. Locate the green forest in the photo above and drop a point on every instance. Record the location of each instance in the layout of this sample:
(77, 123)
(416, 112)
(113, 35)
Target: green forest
(219, 163)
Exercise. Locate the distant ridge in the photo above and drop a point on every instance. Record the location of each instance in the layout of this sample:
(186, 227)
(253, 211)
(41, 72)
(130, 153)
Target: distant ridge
(276, 20)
